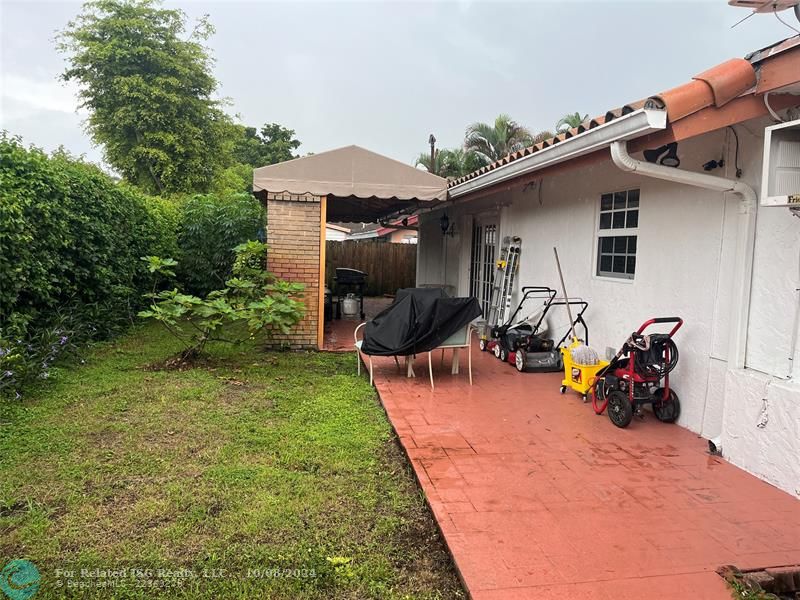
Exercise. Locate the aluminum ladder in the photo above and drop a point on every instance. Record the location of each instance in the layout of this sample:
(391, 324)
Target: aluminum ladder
(503, 286)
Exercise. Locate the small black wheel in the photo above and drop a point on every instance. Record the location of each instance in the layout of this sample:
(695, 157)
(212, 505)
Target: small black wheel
(482, 345)
(497, 350)
(666, 411)
(563, 389)
(619, 409)
(519, 360)
(503, 354)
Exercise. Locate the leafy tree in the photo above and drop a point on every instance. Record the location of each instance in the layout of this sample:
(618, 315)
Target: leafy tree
(493, 141)
(570, 120)
(148, 88)
(236, 179)
(273, 144)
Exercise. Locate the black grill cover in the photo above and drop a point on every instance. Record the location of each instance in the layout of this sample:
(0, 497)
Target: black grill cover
(418, 320)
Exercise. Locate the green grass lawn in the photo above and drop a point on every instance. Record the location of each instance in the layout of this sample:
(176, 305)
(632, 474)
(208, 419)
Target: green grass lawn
(269, 475)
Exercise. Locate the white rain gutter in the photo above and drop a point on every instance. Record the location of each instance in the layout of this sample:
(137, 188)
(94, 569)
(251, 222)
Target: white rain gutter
(627, 127)
(745, 237)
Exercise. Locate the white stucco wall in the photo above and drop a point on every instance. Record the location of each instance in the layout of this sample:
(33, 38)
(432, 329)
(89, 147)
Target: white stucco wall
(761, 429)
(761, 432)
(686, 245)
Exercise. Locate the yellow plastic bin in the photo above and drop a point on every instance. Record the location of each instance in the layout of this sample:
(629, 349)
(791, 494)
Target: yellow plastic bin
(577, 376)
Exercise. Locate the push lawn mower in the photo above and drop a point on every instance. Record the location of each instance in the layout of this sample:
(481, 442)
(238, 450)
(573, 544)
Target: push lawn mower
(634, 377)
(535, 355)
(506, 337)
(525, 344)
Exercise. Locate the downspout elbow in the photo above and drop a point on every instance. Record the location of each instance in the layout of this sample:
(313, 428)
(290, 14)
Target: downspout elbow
(748, 197)
(625, 162)
(621, 158)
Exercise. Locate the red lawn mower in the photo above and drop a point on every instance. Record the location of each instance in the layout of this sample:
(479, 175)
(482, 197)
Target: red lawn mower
(634, 377)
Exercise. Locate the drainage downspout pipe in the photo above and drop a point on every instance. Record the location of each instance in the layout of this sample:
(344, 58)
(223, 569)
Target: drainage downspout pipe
(745, 237)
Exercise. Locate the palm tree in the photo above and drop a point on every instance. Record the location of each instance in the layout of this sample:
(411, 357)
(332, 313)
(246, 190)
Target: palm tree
(570, 121)
(451, 163)
(492, 142)
(458, 162)
(542, 136)
(424, 159)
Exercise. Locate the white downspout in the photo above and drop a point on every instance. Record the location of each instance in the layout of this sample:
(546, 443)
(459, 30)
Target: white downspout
(745, 238)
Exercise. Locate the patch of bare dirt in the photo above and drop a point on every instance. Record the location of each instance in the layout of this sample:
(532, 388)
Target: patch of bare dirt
(235, 391)
(183, 361)
(14, 509)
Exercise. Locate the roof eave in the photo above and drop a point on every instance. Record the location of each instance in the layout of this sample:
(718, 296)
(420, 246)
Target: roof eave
(637, 123)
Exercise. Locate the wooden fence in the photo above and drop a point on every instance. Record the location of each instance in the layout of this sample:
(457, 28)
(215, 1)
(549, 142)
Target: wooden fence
(388, 266)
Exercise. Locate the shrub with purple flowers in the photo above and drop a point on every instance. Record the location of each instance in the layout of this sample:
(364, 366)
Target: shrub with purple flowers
(30, 356)
(70, 242)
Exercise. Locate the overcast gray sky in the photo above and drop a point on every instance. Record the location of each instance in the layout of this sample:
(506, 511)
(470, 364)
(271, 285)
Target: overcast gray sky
(385, 75)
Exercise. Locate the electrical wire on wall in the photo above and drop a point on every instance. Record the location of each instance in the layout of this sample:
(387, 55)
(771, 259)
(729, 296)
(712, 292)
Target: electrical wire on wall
(772, 112)
(777, 16)
(736, 153)
(793, 346)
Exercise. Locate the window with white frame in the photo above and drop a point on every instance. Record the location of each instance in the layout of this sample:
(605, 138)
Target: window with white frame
(618, 227)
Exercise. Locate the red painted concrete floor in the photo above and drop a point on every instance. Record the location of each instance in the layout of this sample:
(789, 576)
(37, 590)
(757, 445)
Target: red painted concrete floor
(538, 497)
(338, 333)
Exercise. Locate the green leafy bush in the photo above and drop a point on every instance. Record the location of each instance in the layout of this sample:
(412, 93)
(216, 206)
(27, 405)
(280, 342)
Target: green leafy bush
(28, 354)
(210, 228)
(253, 296)
(70, 243)
(162, 237)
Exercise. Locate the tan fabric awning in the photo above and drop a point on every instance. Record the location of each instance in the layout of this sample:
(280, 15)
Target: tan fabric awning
(353, 173)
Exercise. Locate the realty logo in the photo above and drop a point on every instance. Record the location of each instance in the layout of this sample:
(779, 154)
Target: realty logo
(20, 579)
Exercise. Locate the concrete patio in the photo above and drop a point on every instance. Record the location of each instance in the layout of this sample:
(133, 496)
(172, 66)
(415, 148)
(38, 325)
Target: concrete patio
(339, 332)
(537, 497)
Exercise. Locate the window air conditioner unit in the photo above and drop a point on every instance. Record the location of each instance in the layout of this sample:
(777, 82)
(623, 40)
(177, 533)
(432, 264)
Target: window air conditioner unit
(780, 180)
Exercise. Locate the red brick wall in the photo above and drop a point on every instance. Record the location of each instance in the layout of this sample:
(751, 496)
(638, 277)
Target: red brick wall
(293, 236)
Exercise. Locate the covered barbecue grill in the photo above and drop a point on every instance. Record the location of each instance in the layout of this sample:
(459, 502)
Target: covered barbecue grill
(419, 320)
(349, 281)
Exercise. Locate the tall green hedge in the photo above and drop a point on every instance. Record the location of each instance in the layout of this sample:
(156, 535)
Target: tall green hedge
(210, 227)
(71, 241)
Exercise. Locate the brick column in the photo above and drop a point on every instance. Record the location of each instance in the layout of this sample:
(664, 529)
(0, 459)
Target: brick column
(293, 236)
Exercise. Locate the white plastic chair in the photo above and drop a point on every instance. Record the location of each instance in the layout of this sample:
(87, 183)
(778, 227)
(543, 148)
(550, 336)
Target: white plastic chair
(358, 343)
(460, 339)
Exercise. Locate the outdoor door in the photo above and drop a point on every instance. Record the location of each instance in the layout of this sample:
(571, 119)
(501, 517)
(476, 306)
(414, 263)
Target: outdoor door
(482, 261)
